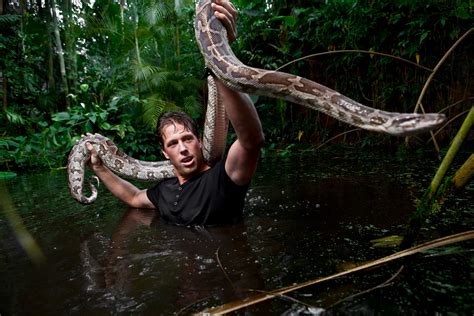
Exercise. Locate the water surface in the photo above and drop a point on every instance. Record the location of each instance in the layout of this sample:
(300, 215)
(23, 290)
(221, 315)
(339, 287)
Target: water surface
(306, 216)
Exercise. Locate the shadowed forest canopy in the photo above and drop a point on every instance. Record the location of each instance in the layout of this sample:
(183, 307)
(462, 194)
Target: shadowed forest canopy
(71, 67)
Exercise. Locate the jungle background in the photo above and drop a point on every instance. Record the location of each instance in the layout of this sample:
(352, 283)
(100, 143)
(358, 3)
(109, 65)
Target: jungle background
(112, 67)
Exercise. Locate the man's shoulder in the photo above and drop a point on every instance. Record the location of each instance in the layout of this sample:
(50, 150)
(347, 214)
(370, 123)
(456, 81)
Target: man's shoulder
(168, 182)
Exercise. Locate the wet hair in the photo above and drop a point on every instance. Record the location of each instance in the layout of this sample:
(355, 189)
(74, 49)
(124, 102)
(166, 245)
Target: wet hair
(173, 118)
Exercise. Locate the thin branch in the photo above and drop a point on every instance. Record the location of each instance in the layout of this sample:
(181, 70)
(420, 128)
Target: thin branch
(369, 290)
(284, 296)
(338, 135)
(223, 270)
(454, 104)
(428, 81)
(448, 122)
(446, 55)
(182, 310)
(354, 51)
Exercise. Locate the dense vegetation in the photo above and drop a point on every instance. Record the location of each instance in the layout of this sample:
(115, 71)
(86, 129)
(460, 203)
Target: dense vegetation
(71, 67)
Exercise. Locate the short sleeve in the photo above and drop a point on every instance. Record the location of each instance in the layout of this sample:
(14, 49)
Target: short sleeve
(152, 194)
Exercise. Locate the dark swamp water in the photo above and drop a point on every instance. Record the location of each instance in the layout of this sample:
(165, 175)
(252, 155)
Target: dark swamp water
(307, 216)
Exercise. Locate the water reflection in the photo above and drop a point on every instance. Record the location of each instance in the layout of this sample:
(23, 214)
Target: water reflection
(190, 267)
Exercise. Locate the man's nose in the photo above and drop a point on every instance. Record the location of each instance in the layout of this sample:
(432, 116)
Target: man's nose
(182, 146)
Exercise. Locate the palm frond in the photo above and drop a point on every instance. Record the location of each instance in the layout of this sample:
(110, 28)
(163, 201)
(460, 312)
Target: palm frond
(153, 107)
(193, 107)
(143, 72)
(158, 79)
(158, 11)
(9, 19)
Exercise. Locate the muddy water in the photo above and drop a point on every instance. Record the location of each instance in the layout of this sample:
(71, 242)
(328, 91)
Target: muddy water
(306, 216)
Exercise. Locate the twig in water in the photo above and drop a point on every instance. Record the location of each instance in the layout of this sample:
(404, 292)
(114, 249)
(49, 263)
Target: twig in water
(182, 310)
(369, 290)
(284, 296)
(233, 306)
(223, 270)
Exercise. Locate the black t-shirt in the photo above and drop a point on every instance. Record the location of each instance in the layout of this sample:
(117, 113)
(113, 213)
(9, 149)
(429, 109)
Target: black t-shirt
(209, 198)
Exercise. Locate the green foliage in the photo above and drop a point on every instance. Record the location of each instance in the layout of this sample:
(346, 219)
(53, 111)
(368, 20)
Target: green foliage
(128, 73)
(127, 65)
(277, 32)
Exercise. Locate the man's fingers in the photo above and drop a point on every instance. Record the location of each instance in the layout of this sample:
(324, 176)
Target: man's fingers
(228, 6)
(230, 27)
(94, 159)
(91, 149)
(226, 12)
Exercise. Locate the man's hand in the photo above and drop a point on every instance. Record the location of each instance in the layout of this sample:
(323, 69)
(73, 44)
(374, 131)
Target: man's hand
(226, 12)
(122, 189)
(94, 162)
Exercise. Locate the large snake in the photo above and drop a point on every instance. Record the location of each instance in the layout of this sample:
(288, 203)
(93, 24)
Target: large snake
(219, 58)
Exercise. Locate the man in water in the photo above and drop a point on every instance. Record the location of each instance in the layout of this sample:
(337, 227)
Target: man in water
(200, 194)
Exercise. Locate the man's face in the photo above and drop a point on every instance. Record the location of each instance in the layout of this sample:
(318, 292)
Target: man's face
(183, 149)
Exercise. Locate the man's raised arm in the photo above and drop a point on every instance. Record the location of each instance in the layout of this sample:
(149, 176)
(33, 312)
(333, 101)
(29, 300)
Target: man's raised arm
(243, 155)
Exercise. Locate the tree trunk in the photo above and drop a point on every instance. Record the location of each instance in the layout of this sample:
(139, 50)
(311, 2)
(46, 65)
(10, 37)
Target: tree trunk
(3, 10)
(122, 9)
(44, 13)
(51, 80)
(5, 91)
(70, 42)
(62, 65)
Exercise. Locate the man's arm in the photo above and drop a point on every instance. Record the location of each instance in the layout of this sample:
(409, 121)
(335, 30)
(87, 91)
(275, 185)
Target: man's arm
(124, 190)
(243, 155)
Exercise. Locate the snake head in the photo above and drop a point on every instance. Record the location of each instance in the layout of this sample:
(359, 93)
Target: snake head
(415, 123)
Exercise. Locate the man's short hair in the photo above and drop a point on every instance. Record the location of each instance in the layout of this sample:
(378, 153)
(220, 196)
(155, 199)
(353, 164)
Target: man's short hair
(172, 118)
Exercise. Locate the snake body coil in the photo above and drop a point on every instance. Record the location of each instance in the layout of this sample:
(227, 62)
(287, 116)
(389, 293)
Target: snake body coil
(212, 39)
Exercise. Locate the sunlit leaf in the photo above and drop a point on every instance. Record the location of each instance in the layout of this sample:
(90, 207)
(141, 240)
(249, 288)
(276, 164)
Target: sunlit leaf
(7, 174)
(387, 242)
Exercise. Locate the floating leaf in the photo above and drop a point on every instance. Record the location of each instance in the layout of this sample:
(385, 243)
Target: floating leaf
(387, 242)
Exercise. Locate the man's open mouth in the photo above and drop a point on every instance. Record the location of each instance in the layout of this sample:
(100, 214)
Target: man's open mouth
(187, 160)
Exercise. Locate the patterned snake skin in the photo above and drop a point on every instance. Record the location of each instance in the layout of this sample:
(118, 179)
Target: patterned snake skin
(212, 39)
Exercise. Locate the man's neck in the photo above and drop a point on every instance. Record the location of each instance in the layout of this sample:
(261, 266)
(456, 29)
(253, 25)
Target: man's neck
(182, 179)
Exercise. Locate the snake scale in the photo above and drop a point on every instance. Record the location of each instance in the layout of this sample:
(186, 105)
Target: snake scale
(212, 40)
